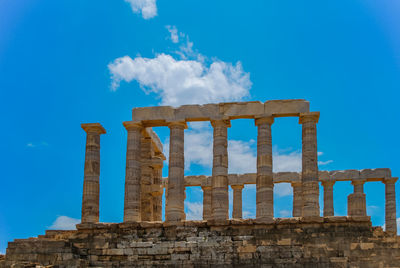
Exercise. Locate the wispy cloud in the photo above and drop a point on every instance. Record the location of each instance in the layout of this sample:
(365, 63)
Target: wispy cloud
(174, 33)
(37, 144)
(248, 214)
(194, 211)
(64, 223)
(147, 8)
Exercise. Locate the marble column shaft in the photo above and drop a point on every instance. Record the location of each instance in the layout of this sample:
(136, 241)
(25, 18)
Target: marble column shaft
(146, 209)
(237, 201)
(264, 183)
(390, 205)
(309, 175)
(176, 184)
(133, 173)
(207, 190)
(157, 197)
(356, 202)
(220, 197)
(91, 179)
(328, 198)
(297, 199)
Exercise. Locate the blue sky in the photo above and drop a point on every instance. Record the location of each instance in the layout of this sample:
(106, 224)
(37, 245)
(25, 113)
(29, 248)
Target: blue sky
(63, 63)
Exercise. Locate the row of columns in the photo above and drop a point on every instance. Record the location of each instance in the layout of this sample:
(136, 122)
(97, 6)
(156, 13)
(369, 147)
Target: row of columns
(142, 202)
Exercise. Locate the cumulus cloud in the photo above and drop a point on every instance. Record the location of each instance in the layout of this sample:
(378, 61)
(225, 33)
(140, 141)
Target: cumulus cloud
(148, 8)
(64, 223)
(178, 82)
(194, 211)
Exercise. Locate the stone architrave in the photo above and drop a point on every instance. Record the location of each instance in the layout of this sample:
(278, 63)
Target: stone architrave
(309, 174)
(356, 202)
(91, 179)
(219, 181)
(328, 198)
(237, 201)
(264, 183)
(176, 184)
(297, 199)
(390, 205)
(133, 173)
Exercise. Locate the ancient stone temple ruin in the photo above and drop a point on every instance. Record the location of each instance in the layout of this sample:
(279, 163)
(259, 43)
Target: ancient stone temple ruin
(307, 239)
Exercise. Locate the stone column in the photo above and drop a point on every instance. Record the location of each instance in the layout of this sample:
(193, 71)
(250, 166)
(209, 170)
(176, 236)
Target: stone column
(264, 183)
(146, 181)
(176, 185)
(206, 202)
(220, 197)
(237, 201)
(309, 174)
(91, 178)
(328, 198)
(390, 205)
(297, 199)
(158, 191)
(356, 203)
(133, 172)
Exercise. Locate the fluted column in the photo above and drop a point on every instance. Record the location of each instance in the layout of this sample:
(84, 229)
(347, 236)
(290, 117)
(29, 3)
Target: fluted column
(133, 172)
(390, 205)
(91, 178)
(297, 199)
(157, 193)
(356, 202)
(309, 174)
(328, 198)
(220, 197)
(206, 202)
(237, 201)
(146, 181)
(264, 183)
(176, 187)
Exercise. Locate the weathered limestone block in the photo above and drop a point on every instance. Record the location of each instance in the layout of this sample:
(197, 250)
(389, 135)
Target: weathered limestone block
(310, 173)
(91, 180)
(344, 175)
(236, 110)
(297, 199)
(287, 177)
(176, 188)
(280, 108)
(133, 174)
(376, 174)
(207, 192)
(147, 172)
(265, 184)
(220, 198)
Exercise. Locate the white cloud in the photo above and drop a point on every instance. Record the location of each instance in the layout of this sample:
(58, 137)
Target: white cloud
(285, 160)
(36, 144)
(194, 211)
(174, 33)
(64, 223)
(179, 82)
(148, 8)
(283, 189)
(248, 215)
(241, 156)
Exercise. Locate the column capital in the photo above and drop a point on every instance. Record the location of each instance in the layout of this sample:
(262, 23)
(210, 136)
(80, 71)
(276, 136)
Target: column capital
(296, 183)
(206, 187)
(358, 182)
(237, 186)
(177, 124)
(133, 125)
(390, 180)
(93, 127)
(221, 123)
(328, 183)
(267, 119)
(308, 117)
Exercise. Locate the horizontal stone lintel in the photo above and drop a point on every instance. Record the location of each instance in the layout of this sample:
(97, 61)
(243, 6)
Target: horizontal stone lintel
(367, 175)
(161, 115)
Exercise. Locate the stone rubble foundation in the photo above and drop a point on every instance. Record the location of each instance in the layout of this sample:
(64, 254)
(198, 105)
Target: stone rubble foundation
(287, 242)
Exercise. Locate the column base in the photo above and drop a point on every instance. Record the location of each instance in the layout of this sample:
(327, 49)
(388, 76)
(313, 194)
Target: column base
(264, 220)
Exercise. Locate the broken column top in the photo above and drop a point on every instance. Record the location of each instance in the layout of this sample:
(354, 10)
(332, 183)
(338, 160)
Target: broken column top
(93, 127)
(161, 115)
